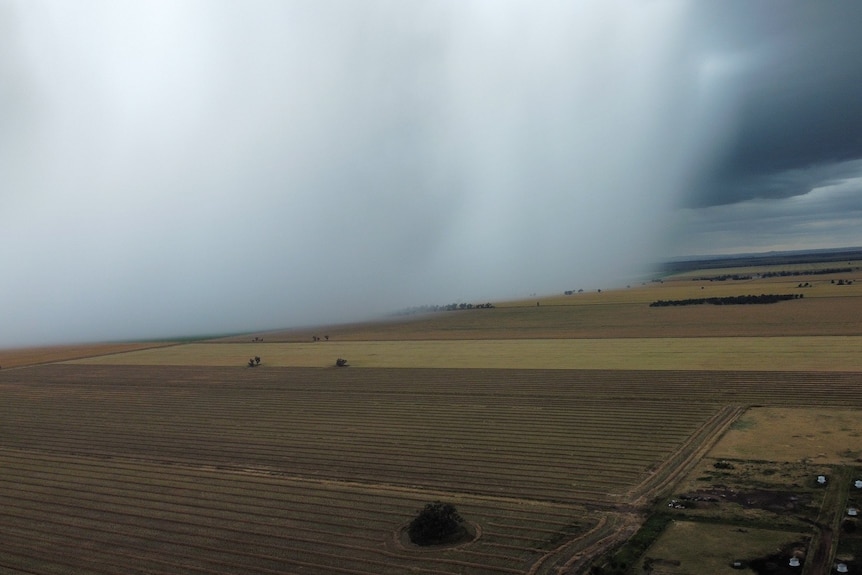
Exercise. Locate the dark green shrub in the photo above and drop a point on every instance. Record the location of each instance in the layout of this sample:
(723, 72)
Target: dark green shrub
(438, 523)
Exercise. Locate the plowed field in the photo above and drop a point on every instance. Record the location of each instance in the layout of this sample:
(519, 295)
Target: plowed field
(183, 469)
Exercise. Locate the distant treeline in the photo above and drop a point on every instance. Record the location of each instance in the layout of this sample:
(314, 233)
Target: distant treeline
(806, 273)
(767, 259)
(722, 278)
(780, 274)
(447, 307)
(730, 300)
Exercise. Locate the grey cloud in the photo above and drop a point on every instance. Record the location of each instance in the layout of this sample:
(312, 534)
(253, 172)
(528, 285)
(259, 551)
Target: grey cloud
(825, 217)
(203, 167)
(796, 101)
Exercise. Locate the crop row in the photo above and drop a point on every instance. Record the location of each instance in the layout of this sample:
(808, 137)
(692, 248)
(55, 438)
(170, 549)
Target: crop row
(498, 386)
(554, 452)
(223, 485)
(496, 477)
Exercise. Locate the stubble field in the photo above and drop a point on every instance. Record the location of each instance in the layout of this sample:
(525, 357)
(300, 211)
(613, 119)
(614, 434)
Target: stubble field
(183, 460)
(791, 353)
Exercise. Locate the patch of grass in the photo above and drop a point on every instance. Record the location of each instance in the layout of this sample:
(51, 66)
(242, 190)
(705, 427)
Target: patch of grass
(742, 424)
(828, 436)
(702, 547)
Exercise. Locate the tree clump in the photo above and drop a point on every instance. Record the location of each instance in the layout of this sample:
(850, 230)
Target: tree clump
(730, 300)
(437, 524)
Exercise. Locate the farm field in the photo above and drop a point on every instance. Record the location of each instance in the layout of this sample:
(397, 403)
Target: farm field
(393, 427)
(554, 429)
(315, 470)
(31, 356)
(831, 436)
(826, 309)
(588, 317)
(827, 353)
(227, 470)
(94, 515)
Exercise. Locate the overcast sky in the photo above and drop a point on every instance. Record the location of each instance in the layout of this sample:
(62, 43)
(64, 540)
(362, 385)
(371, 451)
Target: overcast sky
(185, 167)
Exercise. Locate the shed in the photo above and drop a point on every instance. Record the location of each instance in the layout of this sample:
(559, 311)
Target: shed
(821, 480)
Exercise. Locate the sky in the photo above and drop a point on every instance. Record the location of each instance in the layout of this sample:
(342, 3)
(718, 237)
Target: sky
(180, 167)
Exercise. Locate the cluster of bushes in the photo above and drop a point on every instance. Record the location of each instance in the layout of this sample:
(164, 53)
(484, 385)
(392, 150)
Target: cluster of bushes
(438, 523)
(724, 277)
(730, 300)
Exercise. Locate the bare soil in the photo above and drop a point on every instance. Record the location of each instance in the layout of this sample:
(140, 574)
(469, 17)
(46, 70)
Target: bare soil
(777, 501)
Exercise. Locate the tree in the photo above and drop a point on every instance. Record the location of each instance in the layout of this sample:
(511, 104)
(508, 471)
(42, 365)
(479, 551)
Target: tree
(437, 523)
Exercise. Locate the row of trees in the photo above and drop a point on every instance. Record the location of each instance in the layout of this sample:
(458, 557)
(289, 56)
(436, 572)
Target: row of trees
(775, 274)
(447, 307)
(730, 300)
(725, 277)
(824, 271)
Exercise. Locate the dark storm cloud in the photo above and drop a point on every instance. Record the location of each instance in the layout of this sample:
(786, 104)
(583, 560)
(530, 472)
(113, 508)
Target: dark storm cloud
(795, 90)
(826, 217)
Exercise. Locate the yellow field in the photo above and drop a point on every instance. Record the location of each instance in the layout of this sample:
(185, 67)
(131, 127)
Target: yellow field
(35, 355)
(826, 310)
(829, 436)
(733, 354)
